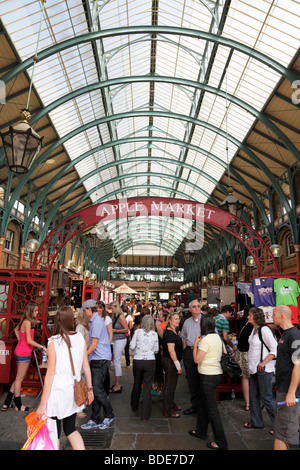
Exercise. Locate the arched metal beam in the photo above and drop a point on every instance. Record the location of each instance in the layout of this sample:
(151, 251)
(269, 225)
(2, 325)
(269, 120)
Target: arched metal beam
(178, 81)
(15, 195)
(130, 30)
(103, 168)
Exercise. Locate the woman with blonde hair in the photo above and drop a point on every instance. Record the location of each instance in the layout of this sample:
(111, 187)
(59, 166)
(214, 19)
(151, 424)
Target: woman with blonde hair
(24, 332)
(82, 326)
(119, 329)
(57, 400)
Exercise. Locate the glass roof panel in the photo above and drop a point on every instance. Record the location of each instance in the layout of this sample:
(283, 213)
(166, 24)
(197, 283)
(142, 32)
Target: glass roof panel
(267, 27)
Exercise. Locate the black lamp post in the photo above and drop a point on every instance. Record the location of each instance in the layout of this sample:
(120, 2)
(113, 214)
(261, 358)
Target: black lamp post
(21, 145)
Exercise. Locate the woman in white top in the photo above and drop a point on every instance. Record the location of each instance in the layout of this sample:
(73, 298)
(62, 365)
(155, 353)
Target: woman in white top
(144, 345)
(57, 399)
(262, 351)
(207, 354)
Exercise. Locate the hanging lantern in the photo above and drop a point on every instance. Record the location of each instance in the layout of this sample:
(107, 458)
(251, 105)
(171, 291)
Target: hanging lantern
(232, 205)
(21, 145)
(221, 273)
(122, 274)
(250, 261)
(32, 245)
(233, 268)
(276, 250)
(204, 279)
(112, 263)
(173, 271)
(211, 276)
(93, 277)
(87, 274)
(189, 257)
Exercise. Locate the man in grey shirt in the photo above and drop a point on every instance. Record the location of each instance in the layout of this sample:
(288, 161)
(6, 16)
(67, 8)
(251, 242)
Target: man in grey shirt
(190, 330)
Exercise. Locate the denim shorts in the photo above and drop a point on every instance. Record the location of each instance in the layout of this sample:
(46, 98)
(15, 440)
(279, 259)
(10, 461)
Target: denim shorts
(22, 358)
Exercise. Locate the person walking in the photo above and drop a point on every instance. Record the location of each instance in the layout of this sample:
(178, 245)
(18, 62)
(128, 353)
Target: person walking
(99, 354)
(145, 345)
(287, 418)
(262, 351)
(207, 352)
(119, 329)
(57, 400)
(190, 331)
(129, 320)
(24, 332)
(172, 355)
(241, 354)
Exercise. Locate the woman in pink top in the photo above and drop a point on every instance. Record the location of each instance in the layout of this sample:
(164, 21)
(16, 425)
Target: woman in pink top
(25, 334)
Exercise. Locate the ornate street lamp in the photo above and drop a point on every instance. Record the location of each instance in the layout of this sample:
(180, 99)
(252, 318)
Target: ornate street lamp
(232, 205)
(122, 274)
(21, 145)
(112, 263)
(174, 271)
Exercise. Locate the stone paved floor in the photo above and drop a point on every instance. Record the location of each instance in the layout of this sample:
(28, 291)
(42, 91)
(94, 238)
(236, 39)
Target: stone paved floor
(129, 433)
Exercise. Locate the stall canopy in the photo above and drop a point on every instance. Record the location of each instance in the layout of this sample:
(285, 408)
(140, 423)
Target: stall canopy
(124, 289)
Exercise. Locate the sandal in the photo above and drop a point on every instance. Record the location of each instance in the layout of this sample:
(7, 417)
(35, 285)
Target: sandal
(177, 408)
(247, 408)
(174, 415)
(6, 407)
(19, 406)
(7, 402)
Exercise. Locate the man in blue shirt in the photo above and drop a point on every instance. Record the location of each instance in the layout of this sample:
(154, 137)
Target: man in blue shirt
(99, 353)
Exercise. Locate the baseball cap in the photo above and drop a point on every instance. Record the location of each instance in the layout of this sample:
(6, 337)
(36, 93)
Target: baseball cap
(88, 304)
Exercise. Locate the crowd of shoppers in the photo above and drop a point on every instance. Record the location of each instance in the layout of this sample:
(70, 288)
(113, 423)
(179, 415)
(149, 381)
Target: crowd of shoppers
(160, 340)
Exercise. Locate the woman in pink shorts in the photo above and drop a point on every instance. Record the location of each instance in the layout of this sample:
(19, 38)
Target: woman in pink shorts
(25, 334)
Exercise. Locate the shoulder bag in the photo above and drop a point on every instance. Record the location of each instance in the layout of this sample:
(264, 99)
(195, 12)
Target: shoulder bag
(80, 387)
(228, 363)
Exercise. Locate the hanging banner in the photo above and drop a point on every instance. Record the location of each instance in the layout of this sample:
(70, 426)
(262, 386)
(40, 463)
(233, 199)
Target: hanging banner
(167, 207)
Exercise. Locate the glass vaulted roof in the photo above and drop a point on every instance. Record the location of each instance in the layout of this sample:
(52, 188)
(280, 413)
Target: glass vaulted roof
(174, 100)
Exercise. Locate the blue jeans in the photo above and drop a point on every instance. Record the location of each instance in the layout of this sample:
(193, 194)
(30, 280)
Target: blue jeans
(208, 411)
(260, 389)
(101, 399)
